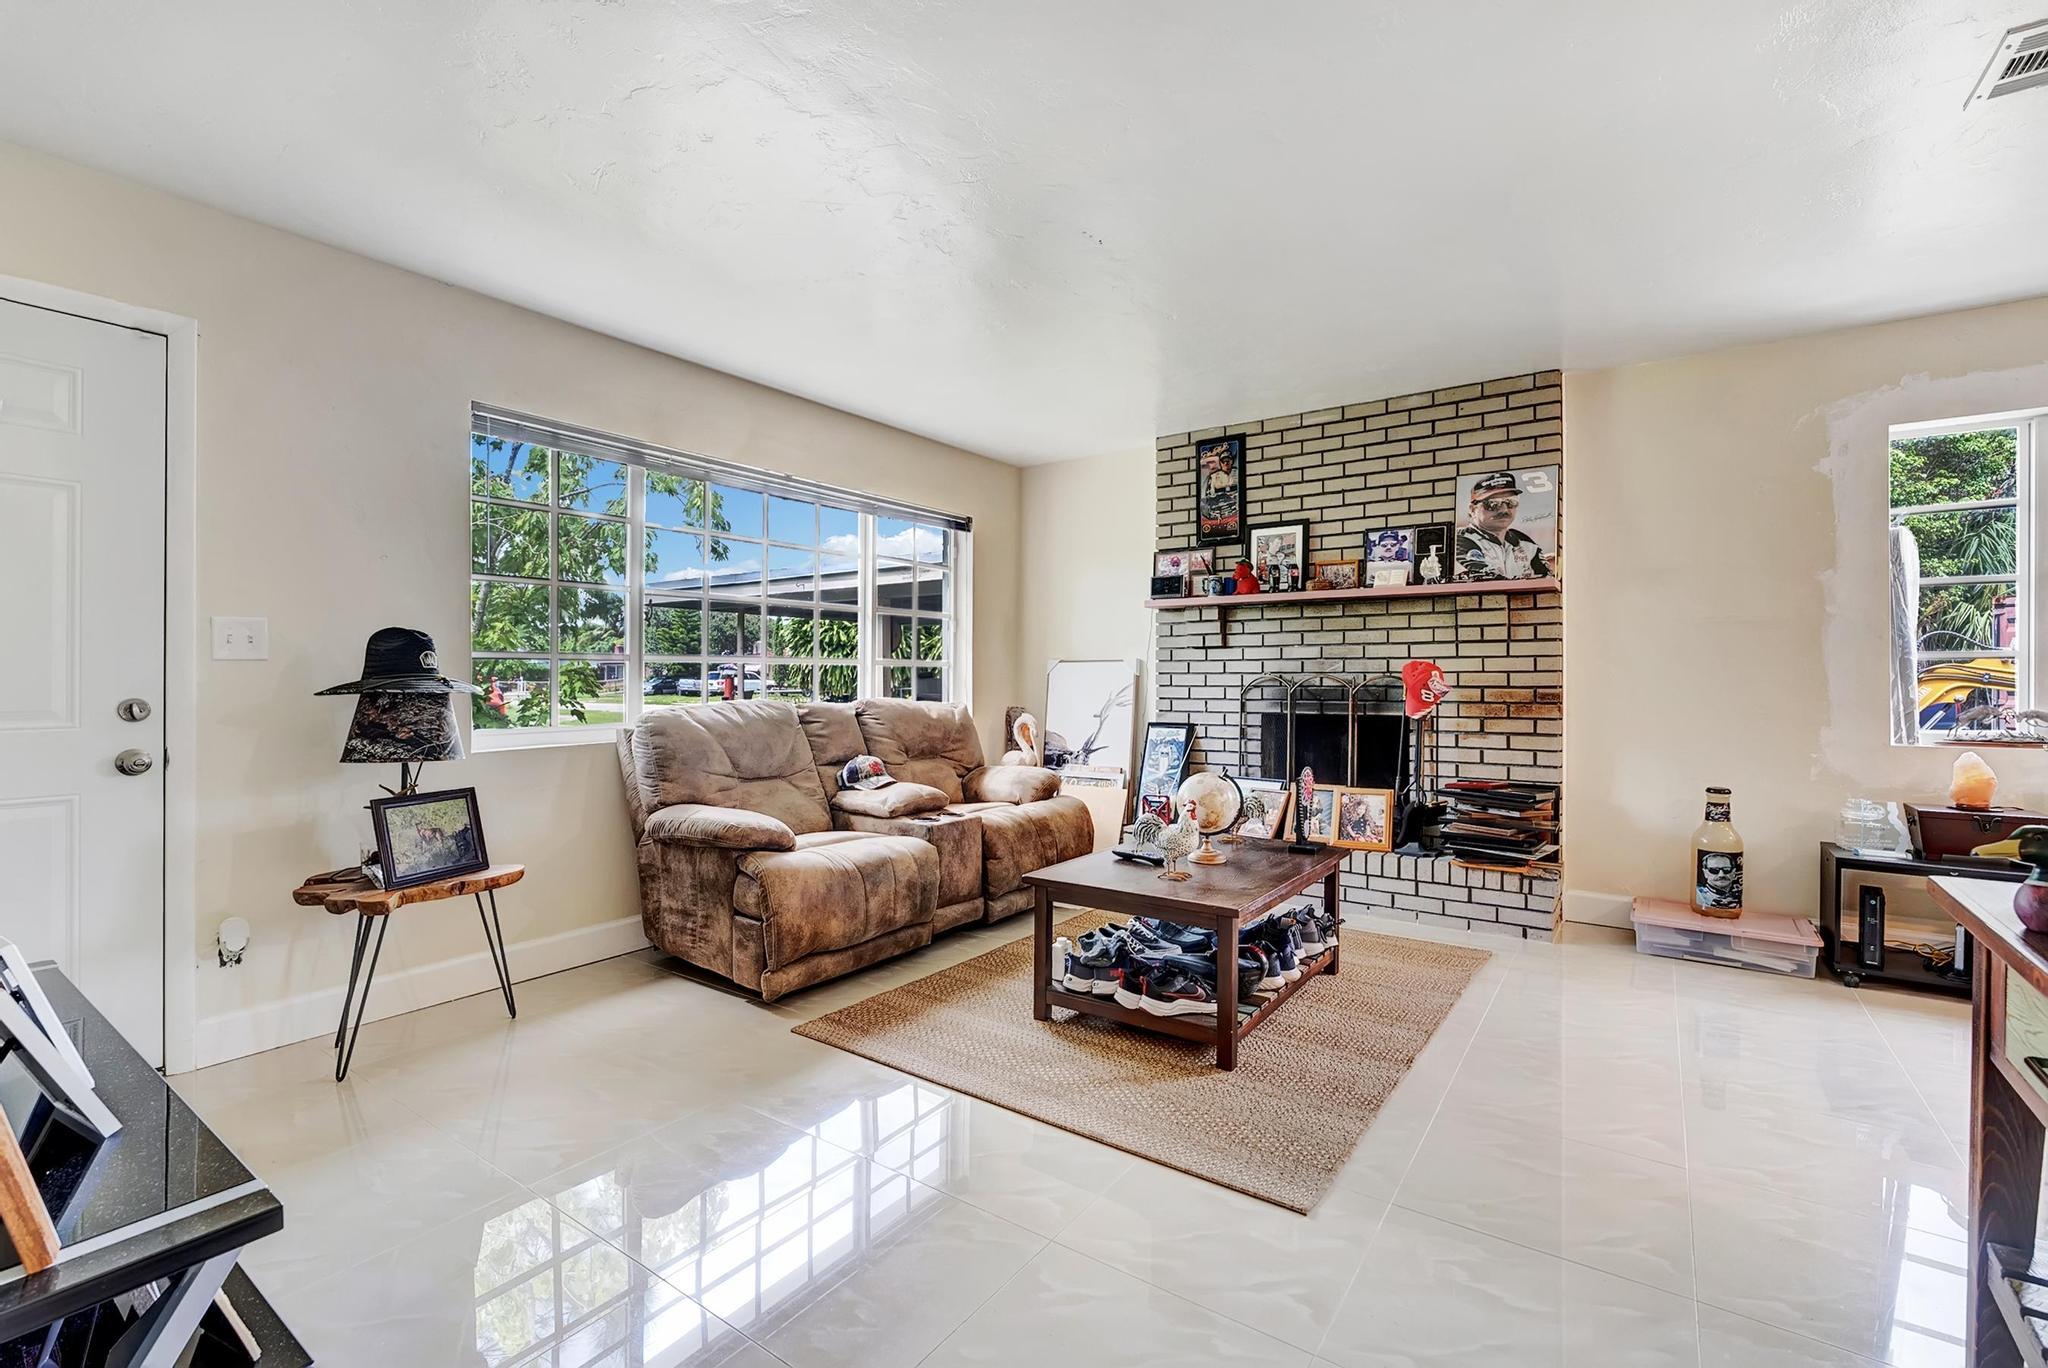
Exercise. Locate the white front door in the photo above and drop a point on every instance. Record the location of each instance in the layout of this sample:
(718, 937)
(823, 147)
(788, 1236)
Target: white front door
(81, 635)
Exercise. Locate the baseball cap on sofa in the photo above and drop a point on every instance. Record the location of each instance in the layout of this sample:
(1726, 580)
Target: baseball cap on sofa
(864, 772)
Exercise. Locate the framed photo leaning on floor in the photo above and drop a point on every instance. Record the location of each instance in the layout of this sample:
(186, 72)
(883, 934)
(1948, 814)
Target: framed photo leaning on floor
(422, 837)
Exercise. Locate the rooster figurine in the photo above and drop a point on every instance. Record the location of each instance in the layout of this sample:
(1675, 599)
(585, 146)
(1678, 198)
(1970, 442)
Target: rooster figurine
(1252, 812)
(1175, 842)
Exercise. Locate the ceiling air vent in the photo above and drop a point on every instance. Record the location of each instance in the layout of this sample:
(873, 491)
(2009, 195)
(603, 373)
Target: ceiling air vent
(2020, 63)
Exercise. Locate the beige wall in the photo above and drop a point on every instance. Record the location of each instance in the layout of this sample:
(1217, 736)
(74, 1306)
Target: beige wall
(1728, 612)
(1087, 566)
(333, 409)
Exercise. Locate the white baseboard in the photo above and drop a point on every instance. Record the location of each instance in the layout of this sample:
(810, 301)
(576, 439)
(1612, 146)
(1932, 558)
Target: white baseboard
(1598, 909)
(252, 1030)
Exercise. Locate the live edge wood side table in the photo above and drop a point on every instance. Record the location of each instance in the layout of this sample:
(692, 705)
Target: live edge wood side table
(2007, 1292)
(346, 890)
(1259, 876)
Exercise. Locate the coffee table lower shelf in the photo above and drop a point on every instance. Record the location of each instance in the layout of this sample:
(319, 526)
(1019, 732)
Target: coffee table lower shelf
(1199, 1028)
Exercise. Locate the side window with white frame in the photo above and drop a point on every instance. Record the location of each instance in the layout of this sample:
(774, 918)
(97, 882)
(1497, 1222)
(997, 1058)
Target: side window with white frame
(1964, 497)
(747, 585)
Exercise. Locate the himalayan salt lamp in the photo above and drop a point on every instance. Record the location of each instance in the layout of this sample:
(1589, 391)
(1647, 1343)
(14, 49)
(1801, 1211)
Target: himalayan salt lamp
(1972, 783)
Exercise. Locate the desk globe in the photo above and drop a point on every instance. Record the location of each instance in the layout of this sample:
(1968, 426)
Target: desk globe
(1218, 800)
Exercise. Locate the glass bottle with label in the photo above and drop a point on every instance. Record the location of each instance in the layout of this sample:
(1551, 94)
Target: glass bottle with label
(1717, 861)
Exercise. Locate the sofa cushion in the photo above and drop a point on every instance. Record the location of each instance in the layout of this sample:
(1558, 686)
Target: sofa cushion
(737, 755)
(1018, 838)
(833, 734)
(924, 743)
(726, 828)
(891, 800)
(835, 890)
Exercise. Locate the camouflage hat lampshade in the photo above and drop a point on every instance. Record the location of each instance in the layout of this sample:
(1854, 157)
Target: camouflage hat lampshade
(392, 728)
(403, 715)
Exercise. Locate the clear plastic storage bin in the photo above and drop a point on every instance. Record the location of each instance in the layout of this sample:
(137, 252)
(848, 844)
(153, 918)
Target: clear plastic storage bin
(1772, 942)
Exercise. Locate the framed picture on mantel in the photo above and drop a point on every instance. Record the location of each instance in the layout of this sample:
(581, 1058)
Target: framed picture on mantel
(1219, 490)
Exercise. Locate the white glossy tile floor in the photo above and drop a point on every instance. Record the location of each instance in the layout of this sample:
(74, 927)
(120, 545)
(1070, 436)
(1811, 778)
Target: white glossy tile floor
(1600, 1159)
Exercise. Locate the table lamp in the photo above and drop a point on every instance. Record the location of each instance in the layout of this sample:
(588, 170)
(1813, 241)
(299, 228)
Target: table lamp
(402, 709)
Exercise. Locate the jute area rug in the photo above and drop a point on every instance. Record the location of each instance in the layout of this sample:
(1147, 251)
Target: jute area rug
(1308, 1081)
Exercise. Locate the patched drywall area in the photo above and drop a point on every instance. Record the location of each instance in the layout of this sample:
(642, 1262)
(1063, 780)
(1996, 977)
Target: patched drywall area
(1729, 607)
(1858, 621)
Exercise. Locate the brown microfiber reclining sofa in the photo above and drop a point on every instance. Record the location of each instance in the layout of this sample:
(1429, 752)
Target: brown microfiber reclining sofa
(756, 865)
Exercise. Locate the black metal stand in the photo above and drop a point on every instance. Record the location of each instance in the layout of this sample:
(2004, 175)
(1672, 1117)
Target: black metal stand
(346, 1035)
(1842, 952)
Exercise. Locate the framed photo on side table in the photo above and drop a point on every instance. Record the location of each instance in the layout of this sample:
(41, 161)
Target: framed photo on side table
(1219, 490)
(422, 837)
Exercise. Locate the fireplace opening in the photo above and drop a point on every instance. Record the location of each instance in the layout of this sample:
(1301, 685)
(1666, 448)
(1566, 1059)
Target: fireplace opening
(1384, 755)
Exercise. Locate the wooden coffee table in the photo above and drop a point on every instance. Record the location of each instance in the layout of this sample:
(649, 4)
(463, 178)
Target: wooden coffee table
(1260, 876)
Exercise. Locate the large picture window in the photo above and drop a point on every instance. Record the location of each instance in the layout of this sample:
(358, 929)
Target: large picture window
(745, 585)
(1964, 596)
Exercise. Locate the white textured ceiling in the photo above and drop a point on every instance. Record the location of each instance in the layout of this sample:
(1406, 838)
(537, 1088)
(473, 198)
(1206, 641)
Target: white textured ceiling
(1055, 228)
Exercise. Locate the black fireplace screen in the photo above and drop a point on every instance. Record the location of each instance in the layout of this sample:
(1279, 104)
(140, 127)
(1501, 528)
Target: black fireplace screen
(1385, 757)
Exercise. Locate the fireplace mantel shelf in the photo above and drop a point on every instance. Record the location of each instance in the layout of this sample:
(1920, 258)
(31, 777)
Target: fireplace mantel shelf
(1467, 589)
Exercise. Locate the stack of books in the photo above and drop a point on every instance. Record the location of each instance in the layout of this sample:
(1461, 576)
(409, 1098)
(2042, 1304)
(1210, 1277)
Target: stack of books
(1501, 825)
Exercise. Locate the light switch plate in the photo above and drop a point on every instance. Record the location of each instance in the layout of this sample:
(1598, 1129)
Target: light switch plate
(241, 638)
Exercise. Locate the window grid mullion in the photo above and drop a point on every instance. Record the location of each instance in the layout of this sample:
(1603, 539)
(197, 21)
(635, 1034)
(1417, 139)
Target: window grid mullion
(554, 591)
(633, 685)
(2026, 521)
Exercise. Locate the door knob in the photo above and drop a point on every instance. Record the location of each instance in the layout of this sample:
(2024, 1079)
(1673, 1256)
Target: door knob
(132, 709)
(132, 762)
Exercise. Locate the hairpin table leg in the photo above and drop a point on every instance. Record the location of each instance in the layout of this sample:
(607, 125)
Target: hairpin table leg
(494, 938)
(355, 1032)
(355, 968)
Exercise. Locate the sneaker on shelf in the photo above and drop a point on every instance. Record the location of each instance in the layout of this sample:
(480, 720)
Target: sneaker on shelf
(1061, 948)
(1096, 963)
(1254, 971)
(1277, 941)
(1170, 992)
(1139, 964)
(1146, 941)
(1188, 939)
(1309, 924)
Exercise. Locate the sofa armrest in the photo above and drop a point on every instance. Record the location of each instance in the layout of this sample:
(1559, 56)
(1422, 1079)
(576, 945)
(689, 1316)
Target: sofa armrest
(891, 800)
(1010, 784)
(723, 827)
